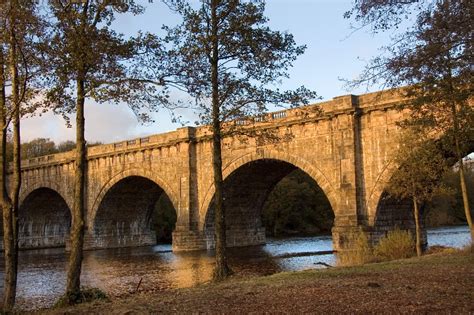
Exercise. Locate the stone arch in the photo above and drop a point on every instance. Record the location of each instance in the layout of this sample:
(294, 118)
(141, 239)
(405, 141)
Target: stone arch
(131, 173)
(28, 188)
(44, 218)
(376, 193)
(387, 212)
(262, 154)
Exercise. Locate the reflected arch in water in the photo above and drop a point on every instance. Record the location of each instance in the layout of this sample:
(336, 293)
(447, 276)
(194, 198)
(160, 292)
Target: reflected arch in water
(44, 219)
(247, 186)
(124, 216)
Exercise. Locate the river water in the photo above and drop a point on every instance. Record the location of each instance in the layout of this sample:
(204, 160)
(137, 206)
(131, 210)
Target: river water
(118, 272)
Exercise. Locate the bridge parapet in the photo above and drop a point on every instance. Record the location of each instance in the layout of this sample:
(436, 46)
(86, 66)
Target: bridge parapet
(159, 140)
(58, 158)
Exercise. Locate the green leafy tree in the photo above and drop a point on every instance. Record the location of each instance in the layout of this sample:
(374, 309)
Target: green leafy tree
(228, 60)
(418, 178)
(434, 59)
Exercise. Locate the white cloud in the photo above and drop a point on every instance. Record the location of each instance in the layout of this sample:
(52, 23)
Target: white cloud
(104, 122)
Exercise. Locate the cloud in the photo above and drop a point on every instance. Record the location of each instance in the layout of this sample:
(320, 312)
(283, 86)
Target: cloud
(104, 122)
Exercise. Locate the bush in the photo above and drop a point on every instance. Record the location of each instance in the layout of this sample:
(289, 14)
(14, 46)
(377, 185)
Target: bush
(83, 296)
(356, 251)
(396, 244)
(469, 249)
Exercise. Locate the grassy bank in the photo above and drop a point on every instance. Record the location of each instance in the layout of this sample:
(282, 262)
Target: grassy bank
(434, 283)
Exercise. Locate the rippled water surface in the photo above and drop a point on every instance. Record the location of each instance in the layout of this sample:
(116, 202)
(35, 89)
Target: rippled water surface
(119, 271)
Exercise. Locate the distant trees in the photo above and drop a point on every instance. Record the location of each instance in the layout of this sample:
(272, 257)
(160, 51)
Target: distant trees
(449, 209)
(42, 146)
(434, 59)
(38, 147)
(297, 206)
(228, 60)
(45, 146)
(69, 145)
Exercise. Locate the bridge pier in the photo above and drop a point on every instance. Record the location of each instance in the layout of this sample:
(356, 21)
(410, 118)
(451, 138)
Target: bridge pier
(187, 240)
(344, 227)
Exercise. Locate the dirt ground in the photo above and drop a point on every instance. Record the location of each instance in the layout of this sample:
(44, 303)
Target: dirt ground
(438, 283)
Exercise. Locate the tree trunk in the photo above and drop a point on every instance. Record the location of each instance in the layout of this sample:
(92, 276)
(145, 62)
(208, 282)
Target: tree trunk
(465, 198)
(222, 269)
(11, 217)
(7, 209)
(462, 179)
(73, 284)
(416, 215)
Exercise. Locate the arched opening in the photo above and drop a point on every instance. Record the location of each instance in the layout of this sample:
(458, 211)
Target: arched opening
(44, 220)
(164, 219)
(394, 213)
(253, 194)
(297, 206)
(134, 212)
(445, 209)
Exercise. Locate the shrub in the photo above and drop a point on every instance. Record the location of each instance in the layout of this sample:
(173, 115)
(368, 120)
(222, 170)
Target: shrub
(83, 296)
(397, 244)
(469, 249)
(356, 251)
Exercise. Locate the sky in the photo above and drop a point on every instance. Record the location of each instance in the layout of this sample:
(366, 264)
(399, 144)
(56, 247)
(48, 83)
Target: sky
(334, 51)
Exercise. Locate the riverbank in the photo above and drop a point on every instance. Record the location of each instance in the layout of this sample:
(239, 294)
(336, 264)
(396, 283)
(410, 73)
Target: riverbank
(439, 283)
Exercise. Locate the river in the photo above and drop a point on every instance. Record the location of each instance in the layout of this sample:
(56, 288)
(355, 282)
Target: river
(118, 272)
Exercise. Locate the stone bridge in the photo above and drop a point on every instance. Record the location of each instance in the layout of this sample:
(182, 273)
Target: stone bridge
(345, 145)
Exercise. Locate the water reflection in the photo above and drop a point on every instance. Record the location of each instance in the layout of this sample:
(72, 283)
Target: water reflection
(42, 273)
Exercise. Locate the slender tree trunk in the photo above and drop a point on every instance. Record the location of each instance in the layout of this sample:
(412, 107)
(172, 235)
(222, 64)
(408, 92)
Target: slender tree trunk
(462, 178)
(11, 224)
(416, 215)
(73, 284)
(465, 198)
(457, 147)
(7, 209)
(222, 269)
